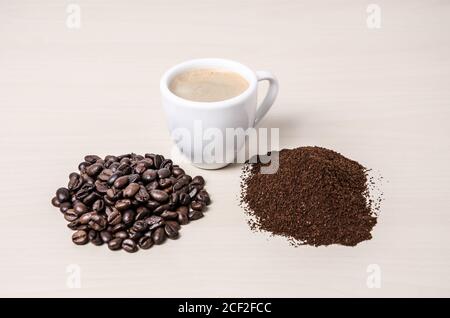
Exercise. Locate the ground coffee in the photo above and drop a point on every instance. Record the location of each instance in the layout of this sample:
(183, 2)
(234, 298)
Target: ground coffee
(317, 197)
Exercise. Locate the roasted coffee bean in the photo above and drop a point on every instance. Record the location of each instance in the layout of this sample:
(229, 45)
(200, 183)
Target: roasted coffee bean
(80, 237)
(70, 215)
(114, 217)
(106, 236)
(152, 205)
(114, 194)
(80, 208)
(84, 191)
(165, 183)
(168, 190)
(197, 205)
(186, 178)
(91, 198)
(159, 236)
(121, 234)
(92, 234)
(203, 196)
(109, 210)
(159, 195)
(134, 178)
(63, 195)
(163, 173)
(111, 158)
(131, 190)
(119, 227)
(184, 189)
(74, 200)
(157, 160)
(123, 204)
(141, 167)
(142, 195)
(140, 226)
(128, 216)
(83, 165)
(121, 182)
(166, 164)
(142, 212)
(101, 187)
(97, 222)
(198, 180)
(74, 225)
(75, 182)
(193, 192)
(105, 175)
(98, 205)
(182, 218)
(114, 177)
(184, 198)
(195, 215)
(129, 246)
(171, 228)
(152, 186)
(180, 184)
(125, 166)
(149, 175)
(145, 242)
(169, 215)
(135, 236)
(86, 217)
(91, 158)
(182, 209)
(87, 179)
(114, 167)
(63, 207)
(161, 209)
(108, 201)
(108, 164)
(73, 174)
(177, 171)
(126, 161)
(94, 170)
(55, 202)
(115, 244)
(94, 238)
(154, 222)
(127, 155)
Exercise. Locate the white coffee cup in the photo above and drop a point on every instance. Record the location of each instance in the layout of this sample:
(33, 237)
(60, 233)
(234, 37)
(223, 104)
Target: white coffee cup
(185, 116)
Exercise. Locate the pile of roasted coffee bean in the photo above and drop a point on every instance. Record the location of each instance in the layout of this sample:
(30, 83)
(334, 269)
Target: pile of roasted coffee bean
(130, 201)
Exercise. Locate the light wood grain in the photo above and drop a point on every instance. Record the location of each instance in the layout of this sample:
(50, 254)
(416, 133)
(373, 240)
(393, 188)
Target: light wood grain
(378, 96)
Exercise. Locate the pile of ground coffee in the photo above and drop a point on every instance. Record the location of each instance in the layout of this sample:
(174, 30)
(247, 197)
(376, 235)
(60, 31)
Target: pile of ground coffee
(316, 197)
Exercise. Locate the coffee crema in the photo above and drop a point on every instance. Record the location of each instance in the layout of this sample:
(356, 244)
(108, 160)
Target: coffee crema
(208, 85)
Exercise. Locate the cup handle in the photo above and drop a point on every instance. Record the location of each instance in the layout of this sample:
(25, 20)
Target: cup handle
(272, 93)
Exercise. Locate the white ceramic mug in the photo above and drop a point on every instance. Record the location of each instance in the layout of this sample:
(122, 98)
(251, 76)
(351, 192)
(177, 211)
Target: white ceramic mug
(185, 116)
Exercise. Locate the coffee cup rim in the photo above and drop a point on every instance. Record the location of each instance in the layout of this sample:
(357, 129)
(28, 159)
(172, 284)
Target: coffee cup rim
(200, 63)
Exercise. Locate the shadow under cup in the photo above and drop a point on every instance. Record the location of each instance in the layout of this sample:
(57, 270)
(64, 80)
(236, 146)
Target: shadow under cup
(210, 134)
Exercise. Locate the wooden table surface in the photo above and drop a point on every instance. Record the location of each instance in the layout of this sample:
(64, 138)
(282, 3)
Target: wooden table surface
(377, 95)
